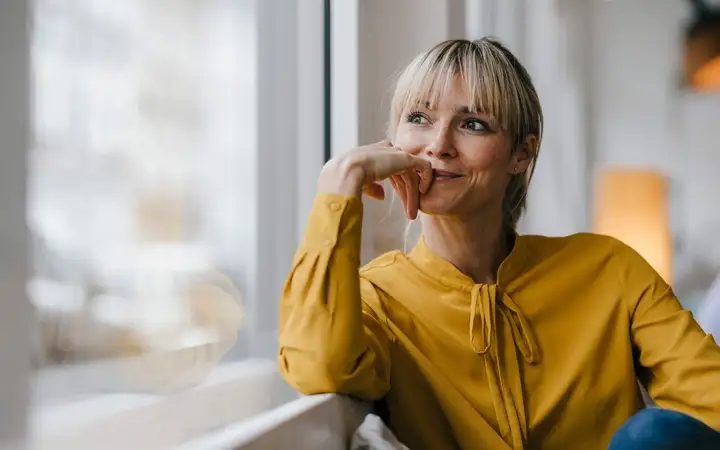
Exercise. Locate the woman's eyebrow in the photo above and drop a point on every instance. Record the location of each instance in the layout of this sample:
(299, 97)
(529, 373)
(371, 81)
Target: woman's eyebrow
(461, 109)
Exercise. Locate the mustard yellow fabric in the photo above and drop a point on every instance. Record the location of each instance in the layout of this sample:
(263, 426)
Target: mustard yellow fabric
(547, 358)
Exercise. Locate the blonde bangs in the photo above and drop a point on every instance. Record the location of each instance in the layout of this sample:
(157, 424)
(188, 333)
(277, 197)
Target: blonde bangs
(488, 76)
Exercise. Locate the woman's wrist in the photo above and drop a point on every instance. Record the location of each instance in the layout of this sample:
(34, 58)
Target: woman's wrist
(342, 176)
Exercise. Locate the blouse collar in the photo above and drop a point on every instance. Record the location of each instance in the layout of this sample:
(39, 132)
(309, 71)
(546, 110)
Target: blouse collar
(446, 273)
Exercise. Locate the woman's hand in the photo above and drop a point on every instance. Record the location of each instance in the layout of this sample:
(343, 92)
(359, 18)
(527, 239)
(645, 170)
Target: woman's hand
(362, 169)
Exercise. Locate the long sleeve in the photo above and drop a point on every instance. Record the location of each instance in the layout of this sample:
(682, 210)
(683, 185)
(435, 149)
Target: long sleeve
(680, 363)
(333, 336)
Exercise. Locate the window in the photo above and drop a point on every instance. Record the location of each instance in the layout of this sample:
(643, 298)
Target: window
(163, 206)
(134, 194)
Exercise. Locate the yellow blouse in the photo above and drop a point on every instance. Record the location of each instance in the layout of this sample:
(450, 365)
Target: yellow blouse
(547, 358)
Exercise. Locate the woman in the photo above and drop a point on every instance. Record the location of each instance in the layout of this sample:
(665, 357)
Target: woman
(480, 338)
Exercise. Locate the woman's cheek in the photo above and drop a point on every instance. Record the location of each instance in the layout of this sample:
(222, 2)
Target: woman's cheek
(485, 155)
(479, 160)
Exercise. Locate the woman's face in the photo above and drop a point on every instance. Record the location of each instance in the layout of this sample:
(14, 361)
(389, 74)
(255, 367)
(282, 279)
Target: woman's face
(471, 156)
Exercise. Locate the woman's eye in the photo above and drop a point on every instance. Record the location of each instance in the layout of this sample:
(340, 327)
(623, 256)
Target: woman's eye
(475, 125)
(416, 118)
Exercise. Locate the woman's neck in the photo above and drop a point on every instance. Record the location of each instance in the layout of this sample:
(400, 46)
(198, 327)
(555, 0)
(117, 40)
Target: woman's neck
(475, 245)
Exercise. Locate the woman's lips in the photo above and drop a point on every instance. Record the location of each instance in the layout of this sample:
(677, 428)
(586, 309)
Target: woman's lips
(444, 175)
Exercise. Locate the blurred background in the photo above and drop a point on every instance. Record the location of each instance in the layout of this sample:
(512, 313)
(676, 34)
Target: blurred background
(158, 160)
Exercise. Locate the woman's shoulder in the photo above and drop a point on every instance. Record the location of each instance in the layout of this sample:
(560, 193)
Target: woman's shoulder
(587, 249)
(391, 271)
(590, 250)
(390, 268)
(387, 260)
(586, 242)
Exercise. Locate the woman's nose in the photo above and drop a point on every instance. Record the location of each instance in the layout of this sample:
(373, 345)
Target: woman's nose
(441, 148)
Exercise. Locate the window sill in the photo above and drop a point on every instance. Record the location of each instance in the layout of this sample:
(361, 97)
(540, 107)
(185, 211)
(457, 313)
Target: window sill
(232, 393)
(320, 421)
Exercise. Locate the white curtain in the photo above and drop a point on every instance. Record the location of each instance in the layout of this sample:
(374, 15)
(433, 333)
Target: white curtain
(551, 38)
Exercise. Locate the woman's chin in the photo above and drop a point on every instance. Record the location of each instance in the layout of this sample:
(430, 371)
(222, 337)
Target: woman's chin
(434, 205)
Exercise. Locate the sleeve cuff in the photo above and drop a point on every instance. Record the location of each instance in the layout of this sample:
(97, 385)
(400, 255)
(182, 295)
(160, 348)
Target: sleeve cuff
(333, 218)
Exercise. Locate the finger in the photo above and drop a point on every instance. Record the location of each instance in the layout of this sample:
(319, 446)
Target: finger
(374, 190)
(397, 161)
(399, 185)
(411, 179)
(424, 171)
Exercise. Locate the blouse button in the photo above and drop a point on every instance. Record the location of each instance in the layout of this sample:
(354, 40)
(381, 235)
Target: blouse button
(334, 207)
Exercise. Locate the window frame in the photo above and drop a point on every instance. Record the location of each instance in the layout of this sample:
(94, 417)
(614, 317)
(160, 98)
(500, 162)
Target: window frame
(15, 312)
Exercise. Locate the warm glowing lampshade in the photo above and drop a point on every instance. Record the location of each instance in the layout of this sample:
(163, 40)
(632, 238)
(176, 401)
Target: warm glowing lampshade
(632, 205)
(707, 77)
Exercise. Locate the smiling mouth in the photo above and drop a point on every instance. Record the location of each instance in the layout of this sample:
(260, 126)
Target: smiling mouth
(443, 175)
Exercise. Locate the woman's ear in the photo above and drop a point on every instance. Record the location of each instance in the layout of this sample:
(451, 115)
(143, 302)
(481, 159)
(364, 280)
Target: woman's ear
(523, 155)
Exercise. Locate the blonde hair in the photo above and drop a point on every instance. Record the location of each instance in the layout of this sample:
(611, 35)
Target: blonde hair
(497, 84)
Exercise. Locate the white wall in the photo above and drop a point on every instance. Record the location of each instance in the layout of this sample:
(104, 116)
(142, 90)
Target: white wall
(642, 117)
